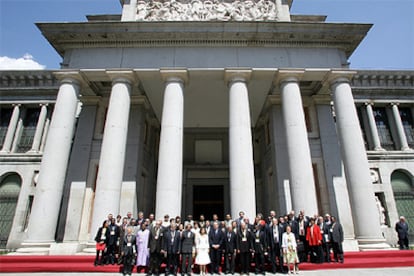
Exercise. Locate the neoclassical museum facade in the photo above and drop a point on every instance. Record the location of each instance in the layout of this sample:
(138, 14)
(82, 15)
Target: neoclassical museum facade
(201, 107)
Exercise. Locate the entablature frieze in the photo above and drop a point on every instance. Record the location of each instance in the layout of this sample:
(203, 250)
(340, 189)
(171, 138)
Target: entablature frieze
(383, 79)
(26, 79)
(64, 36)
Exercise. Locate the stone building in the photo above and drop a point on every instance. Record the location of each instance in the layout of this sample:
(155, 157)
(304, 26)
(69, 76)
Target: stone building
(189, 107)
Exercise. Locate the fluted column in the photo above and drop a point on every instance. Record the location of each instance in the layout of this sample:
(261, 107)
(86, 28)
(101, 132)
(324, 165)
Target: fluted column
(112, 158)
(302, 184)
(242, 180)
(355, 160)
(11, 130)
(402, 138)
(373, 127)
(48, 194)
(37, 139)
(170, 158)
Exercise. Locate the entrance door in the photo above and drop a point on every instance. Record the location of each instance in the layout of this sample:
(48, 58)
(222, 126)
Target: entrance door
(208, 200)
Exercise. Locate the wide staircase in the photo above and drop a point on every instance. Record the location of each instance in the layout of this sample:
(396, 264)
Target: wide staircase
(85, 263)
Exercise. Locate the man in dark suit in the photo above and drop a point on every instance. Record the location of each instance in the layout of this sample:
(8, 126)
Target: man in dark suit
(337, 237)
(230, 249)
(260, 246)
(216, 239)
(244, 247)
(325, 226)
(114, 232)
(187, 244)
(275, 233)
(129, 251)
(171, 246)
(155, 246)
(402, 230)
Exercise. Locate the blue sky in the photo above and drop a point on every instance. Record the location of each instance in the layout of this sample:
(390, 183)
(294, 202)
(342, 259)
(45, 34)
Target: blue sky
(388, 45)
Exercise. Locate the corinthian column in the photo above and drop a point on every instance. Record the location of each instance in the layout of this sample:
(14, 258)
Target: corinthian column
(361, 193)
(242, 180)
(302, 185)
(112, 159)
(170, 159)
(48, 194)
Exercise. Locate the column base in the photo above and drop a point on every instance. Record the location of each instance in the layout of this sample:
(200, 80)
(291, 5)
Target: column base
(53, 248)
(350, 245)
(66, 248)
(373, 244)
(34, 248)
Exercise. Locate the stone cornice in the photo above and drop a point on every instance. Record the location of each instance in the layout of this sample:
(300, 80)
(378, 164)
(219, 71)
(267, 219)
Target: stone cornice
(64, 36)
(28, 79)
(383, 79)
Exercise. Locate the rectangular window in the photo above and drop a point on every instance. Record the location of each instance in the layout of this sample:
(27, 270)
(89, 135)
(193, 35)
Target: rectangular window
(5, 116)
(29, 129)
(407, 121)
(383, 127)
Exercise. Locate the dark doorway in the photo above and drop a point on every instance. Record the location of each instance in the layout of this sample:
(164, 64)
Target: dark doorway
(208, 200)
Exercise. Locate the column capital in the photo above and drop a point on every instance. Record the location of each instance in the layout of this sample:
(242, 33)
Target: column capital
(369, 103)
(232, 75)
(174, 75)
(339, 76)
(287, 75)
(122, 76)
(70, 77)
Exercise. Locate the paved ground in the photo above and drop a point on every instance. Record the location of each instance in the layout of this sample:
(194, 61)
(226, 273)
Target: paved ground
(400, 271)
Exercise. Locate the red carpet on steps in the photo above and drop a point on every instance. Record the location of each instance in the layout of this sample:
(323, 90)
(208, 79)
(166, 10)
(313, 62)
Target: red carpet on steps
(367, 259)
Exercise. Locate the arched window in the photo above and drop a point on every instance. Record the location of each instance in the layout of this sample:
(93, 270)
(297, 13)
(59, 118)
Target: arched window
(403, 188)
(9, 193)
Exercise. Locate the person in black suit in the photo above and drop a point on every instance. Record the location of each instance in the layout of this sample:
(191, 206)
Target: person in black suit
(337, 237)
(129, 251)
(275, 232)
(260, 247)
(114, 232)
(171, 246)
(102, 239)
(325, 226)
(303, 224)
(244, 247)
(187, 244)
(216, 239)
(230, 249)
(155, 246)
(402, 230)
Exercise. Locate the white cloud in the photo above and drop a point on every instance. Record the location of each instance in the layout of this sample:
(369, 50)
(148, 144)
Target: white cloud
(24, 63)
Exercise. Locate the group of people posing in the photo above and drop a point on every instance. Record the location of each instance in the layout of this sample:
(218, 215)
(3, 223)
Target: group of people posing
(281, 241)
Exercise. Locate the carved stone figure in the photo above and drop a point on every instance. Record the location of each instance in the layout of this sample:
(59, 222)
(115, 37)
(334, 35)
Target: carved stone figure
(206, 10)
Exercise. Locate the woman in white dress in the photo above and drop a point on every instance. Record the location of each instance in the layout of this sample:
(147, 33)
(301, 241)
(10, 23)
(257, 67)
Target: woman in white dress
(202, 246)
(289, 246)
